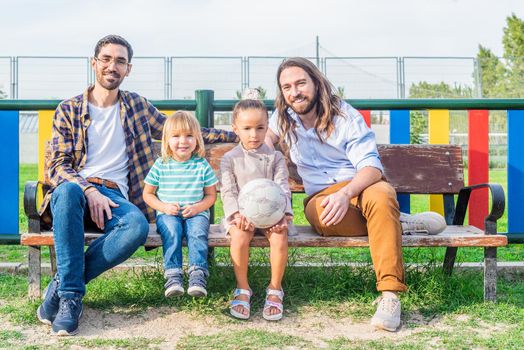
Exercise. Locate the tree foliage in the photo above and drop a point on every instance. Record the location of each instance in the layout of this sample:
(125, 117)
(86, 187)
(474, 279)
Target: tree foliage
(504, 78)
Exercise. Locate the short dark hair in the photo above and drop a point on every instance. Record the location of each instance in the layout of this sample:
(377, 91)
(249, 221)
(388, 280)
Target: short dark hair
(114, 39)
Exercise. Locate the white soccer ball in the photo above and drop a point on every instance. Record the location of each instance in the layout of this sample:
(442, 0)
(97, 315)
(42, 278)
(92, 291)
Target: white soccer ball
(262, 202)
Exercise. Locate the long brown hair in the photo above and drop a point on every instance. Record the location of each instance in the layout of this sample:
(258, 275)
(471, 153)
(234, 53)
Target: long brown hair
(327, 103)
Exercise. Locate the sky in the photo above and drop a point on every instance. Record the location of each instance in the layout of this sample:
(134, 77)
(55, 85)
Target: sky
(254, 28)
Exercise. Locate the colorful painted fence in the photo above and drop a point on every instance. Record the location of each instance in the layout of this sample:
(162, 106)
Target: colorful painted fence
(205, 105)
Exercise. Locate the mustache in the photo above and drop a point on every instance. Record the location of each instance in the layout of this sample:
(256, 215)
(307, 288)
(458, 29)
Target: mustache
(299, 97)
(113, 73)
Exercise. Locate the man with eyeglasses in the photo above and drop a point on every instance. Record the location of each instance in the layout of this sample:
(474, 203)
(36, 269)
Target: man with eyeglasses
(100, 154)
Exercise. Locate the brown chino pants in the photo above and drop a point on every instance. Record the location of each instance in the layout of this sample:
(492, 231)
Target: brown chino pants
(375, 213)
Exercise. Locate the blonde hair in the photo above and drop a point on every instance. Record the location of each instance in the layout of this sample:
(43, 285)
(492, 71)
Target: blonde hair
(184, 122)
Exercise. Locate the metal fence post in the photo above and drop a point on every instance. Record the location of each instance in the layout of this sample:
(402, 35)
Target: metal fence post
(14, 77)
(478, 77)
(402, 76)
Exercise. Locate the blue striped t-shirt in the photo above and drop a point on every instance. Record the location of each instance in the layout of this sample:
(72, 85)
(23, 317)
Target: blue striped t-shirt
(181, 182)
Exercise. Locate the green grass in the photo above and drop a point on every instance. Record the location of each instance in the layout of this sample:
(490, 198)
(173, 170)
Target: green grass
(336, 292)
(249, 339)
(7, 338)
(135, 343)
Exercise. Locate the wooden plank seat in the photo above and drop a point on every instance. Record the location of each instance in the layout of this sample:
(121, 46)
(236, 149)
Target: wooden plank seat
(453, 236)
(411, 169)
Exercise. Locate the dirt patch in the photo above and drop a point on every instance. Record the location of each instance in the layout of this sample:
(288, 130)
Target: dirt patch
(171, 325)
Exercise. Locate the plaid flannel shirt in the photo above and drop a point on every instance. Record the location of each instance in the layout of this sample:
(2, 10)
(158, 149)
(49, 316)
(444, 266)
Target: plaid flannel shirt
(141, 122)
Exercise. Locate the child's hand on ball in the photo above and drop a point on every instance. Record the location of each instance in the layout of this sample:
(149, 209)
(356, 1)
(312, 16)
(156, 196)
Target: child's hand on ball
(281, 226)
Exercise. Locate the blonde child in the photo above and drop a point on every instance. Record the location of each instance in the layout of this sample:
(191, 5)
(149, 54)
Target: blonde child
(253, 159)
(181, 188)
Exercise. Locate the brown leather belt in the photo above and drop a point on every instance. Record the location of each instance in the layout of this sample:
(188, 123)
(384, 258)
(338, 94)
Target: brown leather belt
(102, 182)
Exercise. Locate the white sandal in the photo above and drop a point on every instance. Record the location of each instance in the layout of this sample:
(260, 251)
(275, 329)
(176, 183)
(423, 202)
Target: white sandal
(245, 304)
(269, 304)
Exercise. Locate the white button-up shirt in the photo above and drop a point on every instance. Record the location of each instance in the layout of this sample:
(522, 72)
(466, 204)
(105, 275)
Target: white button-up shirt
(350, 147)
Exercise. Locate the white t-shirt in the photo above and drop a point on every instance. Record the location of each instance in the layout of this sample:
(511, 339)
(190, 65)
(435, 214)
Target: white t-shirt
(106, 148)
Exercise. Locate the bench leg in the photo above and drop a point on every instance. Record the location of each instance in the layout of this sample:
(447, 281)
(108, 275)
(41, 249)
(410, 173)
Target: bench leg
(35, 272)
(490, 274)
(52, 257)
(449, 260)
(211, 256)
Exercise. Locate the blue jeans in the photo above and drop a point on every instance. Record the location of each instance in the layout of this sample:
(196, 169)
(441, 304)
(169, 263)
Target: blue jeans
(173, 229)
(123, 235)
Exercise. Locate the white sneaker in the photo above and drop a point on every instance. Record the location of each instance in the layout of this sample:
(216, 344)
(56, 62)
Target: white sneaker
(428, 222)
(387, 315)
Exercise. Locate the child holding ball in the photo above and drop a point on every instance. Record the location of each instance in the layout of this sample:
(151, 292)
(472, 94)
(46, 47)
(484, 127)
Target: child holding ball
(253, 159)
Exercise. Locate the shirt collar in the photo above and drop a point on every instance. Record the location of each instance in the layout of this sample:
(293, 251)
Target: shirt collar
(122, 97)
(263, 149)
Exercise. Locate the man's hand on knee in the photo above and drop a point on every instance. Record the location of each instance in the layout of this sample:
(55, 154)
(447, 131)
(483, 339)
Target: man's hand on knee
(98, 205)
(335, 208)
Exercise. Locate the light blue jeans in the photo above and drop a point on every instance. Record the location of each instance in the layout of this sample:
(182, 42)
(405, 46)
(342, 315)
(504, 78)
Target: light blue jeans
(123, 235)
(173, 229)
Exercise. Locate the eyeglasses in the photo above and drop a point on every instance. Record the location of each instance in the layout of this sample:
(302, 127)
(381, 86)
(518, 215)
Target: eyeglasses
(106, 61)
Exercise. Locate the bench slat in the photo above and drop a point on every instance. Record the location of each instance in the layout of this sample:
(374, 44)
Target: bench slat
(427, 169)
(453, 236)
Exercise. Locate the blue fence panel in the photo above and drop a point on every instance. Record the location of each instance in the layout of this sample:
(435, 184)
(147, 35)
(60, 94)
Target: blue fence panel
(9, 156)
(515, 171)
(399, 134)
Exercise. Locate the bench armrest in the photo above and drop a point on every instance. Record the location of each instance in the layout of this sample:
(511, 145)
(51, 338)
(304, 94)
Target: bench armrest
(30, 192)
(498, 203)
(31, 205)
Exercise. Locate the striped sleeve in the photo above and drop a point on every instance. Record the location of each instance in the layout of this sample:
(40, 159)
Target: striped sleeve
(210, 178)
(153, 177)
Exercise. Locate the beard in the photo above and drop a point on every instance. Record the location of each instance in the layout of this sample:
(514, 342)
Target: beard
(305, 108)
(109, 80)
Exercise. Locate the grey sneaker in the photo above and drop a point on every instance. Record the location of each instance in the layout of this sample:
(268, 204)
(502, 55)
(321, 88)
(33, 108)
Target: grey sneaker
(197, 282)
(174, 285)
(387, 315)
(429, 223)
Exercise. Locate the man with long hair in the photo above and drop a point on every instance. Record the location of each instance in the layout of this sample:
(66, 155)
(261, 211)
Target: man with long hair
(100, 155)
(336, 156)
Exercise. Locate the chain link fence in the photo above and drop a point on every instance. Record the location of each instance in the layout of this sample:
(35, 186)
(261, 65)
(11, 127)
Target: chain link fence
(51, 77)
(366, 77)
(5, 77)
(28, 77)
(223, 75)
(457, 72)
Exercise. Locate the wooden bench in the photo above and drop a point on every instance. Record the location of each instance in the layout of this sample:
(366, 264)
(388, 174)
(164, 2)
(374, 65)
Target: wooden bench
(411, 169)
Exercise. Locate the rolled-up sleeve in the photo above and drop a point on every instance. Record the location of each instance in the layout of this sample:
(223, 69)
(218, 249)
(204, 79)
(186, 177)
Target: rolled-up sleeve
(361, 148)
